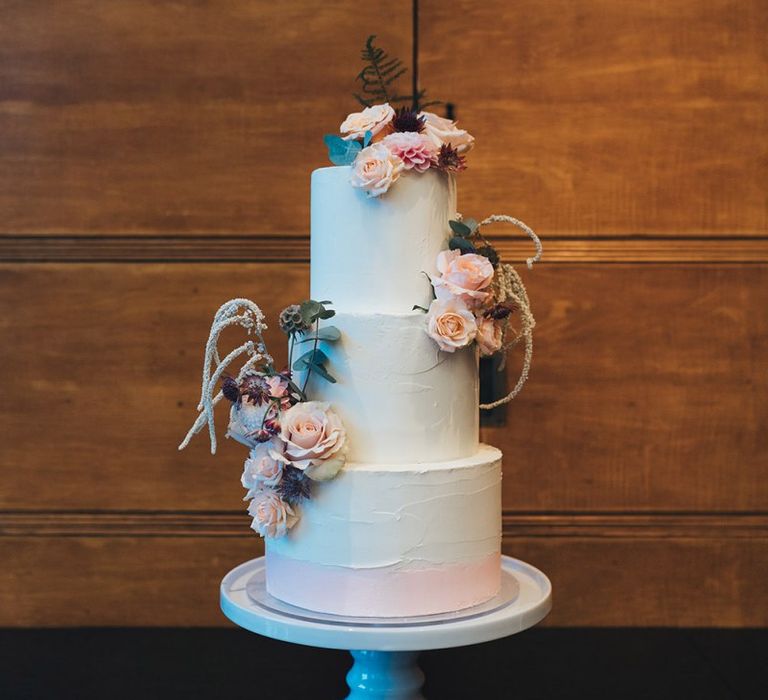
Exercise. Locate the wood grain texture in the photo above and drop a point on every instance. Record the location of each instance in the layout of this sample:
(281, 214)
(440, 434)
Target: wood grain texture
(600, 117)
(647, 391)
(173, 581)
(144, 117)
(290, 248)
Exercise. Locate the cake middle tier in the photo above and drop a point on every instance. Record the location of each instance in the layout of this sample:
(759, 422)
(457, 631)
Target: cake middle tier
(400, 398)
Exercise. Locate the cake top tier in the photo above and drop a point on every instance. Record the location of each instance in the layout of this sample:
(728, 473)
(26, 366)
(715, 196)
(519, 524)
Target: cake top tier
(373, 254)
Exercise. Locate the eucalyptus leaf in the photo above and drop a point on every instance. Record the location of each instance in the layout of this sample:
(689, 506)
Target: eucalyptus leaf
(329, 334)
(471, 224)
(341, 152)
(420, 308)
(322, 372)
(326, 314)
(461, 244)
(310, 311)
(311, 357)
(367, 139)
(460, 228)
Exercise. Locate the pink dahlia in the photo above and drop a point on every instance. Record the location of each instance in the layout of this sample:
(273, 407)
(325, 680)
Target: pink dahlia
(414, 149)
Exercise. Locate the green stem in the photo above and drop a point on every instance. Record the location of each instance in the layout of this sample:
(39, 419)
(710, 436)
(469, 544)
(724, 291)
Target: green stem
(314, 350)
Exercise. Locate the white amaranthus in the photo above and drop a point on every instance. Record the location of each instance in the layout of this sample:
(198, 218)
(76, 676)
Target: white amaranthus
(236, 312)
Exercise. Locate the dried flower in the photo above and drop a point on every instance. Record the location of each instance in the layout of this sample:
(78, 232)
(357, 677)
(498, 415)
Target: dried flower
(406, 119)
(500, 311)
(294, 486)
(255, 388)
(230, 390)
(291, 320)
(450, 160)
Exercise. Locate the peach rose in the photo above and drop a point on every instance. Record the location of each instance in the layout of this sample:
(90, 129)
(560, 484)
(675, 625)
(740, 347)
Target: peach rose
(264, 467)
(375, 169)
(372, 119)
(441, 131)
(464, 276)
(451, 324)
(314, 439)
(488, 336)
(272, 516)
(415, 150)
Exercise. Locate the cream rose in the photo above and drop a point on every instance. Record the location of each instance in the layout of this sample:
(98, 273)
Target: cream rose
(451, 324)
(464, 276)
(314, 439)
(375, 169)
(444, 131)
(488, 336)
(264, 466)
(272, 516)
(372, 119)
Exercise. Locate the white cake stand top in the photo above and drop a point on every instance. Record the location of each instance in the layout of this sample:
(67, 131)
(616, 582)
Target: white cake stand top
(524, 600)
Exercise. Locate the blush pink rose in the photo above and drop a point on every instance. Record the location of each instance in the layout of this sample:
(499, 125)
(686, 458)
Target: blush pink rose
(415, 150)
(264, 467)
(464, 276)
(314, 438)
(272, 516)
(441, 131)
(373, 119)
(451, 324)
(489, 336)
(375, 169)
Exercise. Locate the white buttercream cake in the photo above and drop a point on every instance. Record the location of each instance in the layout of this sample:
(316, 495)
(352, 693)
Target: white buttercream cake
(411, 525)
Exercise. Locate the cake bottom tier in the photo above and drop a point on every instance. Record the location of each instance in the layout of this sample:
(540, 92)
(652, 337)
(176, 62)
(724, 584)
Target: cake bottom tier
(395, 540)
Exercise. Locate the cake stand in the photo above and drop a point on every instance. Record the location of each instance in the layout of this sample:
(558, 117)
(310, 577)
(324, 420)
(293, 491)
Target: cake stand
(385, 649)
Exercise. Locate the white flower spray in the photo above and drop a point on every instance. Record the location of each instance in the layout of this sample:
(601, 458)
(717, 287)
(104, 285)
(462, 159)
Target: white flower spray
(236, 312)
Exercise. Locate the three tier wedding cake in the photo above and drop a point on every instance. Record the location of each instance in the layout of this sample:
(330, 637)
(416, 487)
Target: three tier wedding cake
(365, 473)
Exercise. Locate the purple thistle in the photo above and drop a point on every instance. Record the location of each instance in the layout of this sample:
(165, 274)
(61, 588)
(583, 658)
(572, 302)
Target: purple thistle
(294, 487)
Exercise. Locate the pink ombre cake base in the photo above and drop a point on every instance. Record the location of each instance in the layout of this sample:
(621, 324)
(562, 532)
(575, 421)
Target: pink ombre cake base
(390, 591)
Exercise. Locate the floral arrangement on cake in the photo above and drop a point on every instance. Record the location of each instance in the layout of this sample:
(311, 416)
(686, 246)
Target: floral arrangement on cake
(475, 296)
(293, 442)
(384, 140)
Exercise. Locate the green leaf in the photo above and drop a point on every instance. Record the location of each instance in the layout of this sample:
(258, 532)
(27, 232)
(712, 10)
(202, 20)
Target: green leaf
(329, 334)
(326, 314)
(420, 308)
(460, 228)
(367, 140)
(310, 311)
(471, 224)
(461, 244)
(321, 371)
(310, 357)
(341, 152)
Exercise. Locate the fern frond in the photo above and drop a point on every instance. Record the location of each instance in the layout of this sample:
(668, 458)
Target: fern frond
(381, 71)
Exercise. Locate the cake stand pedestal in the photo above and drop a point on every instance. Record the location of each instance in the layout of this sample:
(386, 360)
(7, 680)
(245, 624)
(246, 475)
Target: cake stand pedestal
(385, 649)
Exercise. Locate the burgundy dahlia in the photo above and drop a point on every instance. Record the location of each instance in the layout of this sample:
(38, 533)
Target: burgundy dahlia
(500, 311)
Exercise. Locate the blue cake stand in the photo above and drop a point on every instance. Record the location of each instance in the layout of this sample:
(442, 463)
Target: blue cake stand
(385, 649)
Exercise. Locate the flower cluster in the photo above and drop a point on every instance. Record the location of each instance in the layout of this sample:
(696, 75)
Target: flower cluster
(381, 143)
(470, 304)
(292, 442)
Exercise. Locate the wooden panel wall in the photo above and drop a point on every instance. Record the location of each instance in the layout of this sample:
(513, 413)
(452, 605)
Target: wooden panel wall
(146, 148)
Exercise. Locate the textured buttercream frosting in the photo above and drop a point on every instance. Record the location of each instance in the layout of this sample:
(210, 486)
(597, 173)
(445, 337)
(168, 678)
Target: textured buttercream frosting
(380, 524)
(370, 254)
(412, 524)
(401, 399)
